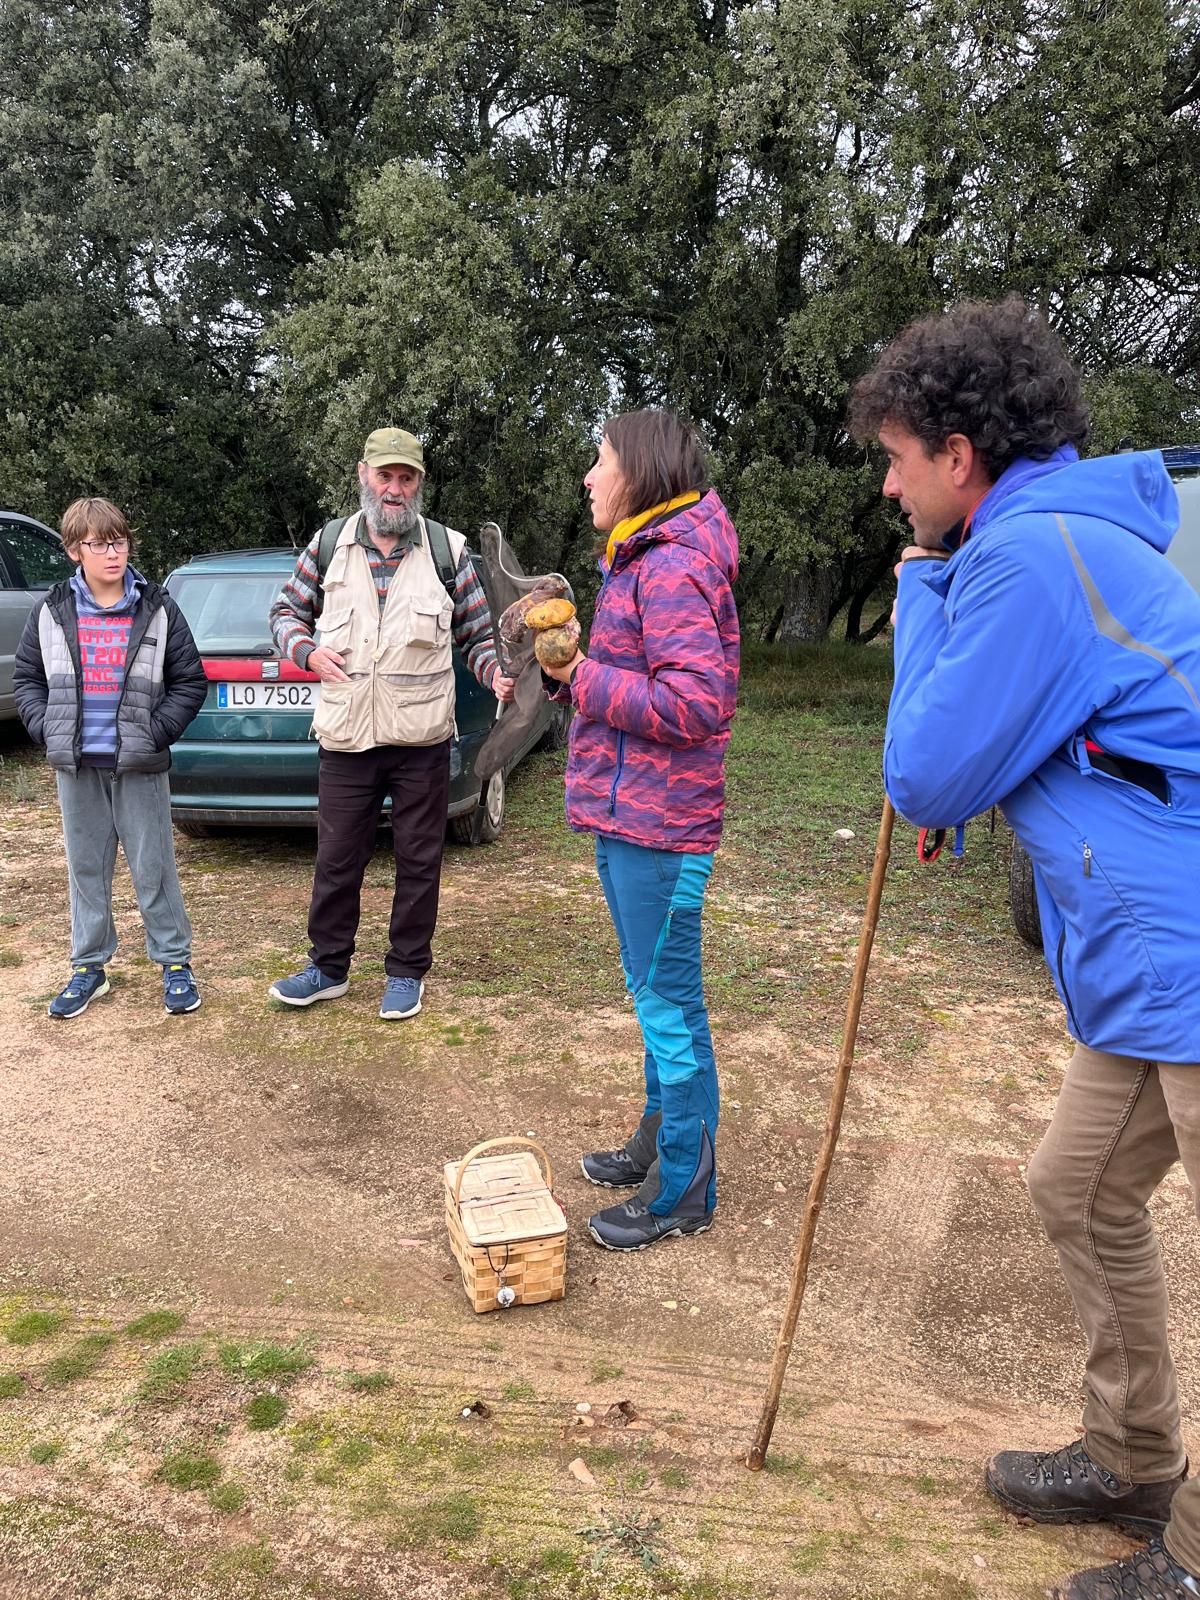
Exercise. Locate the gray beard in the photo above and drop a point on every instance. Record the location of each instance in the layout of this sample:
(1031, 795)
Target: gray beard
(390, 522)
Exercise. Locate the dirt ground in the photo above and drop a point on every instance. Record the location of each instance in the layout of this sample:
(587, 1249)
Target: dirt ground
(275, 1179)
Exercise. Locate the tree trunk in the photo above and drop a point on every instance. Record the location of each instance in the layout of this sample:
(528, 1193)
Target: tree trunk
(806, 606)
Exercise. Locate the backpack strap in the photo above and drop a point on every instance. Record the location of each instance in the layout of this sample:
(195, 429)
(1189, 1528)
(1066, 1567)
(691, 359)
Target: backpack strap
(330, 534)
(443, 559)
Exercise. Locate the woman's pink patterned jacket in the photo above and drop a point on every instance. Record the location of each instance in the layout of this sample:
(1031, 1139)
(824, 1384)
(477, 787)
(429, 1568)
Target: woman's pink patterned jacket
(655, 698)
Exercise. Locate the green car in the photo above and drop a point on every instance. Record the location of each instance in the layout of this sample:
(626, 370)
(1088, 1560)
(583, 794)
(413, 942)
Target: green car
(249, 757)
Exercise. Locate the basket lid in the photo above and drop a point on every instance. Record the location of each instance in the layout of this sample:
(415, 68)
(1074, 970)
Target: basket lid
(511, 1218)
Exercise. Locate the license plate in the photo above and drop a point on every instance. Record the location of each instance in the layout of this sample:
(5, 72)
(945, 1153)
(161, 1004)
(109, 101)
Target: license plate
(267, 697)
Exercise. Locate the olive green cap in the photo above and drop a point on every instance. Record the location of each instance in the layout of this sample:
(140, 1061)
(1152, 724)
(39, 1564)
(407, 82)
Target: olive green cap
(393, 447)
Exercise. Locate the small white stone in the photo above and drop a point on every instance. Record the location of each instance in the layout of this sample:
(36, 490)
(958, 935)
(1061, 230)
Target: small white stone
(583, 1407)
(844, 834)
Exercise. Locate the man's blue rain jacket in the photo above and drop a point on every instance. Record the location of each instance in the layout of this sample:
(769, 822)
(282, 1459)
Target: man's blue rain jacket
(1056, 632)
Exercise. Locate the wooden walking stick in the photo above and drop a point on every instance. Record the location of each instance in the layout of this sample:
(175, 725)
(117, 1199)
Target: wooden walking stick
(833, 1123)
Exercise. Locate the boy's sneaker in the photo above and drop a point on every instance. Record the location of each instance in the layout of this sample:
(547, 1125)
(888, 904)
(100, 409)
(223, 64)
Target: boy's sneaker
(308, 986)
(87, 984)
(180, 993)
(401, 998)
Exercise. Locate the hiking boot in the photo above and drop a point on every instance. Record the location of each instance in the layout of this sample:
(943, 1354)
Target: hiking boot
(1068, 1486)
(86, 984)
(631, 1164)
(180, 993)
(1149, 1574)
(308, 986)
(633, 1226)
(401, 998)
(612, 1169)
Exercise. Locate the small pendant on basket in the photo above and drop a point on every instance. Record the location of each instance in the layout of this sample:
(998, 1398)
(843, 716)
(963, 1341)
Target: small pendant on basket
(505, 1296)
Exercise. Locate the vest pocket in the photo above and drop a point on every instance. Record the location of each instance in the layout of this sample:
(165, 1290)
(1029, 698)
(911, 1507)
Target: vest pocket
(414, 710)
(428, 626)
(343, 715)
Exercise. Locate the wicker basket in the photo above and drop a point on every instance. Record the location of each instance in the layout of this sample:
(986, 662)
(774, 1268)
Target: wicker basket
(507, 1230)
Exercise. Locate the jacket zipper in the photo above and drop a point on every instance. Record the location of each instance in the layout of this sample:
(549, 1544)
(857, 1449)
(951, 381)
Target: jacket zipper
(612, 797)
(1062, 984)
(1087, 859)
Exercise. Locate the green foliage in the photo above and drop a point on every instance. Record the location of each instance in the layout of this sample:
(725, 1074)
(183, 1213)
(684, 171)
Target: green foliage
(239, 237)
(186, 1470)
(168, 1374)
(265, 1411)
(80, 1361)
(227, 1496)
(31, 1326)
(12, 1384)
(369, 1382)
(454, 1518)
(262, 1361)
(155, 1325)
(45, 1452)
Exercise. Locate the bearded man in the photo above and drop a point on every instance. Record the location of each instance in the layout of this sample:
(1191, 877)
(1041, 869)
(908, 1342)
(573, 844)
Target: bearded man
(372, 612)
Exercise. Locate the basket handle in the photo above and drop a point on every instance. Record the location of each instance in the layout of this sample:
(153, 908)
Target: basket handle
(490, 1144)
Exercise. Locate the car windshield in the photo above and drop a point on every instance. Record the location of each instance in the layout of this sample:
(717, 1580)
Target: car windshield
(227, 611)
(1184, 549)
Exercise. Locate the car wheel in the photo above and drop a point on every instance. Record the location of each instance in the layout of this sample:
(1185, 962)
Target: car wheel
(193, 830)
(1022, 895)
(558, 729)
(485, 824)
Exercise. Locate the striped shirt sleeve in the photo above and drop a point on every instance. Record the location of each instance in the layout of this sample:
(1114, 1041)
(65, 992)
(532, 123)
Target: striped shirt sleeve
(293, 615)
(472, 623)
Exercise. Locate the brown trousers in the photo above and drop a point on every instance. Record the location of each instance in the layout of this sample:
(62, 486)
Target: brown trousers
(1119, 1126)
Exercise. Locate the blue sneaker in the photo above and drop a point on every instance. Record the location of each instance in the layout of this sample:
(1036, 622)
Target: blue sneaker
(401, 998)
(307, 986)
(87, 984)
(180, 993)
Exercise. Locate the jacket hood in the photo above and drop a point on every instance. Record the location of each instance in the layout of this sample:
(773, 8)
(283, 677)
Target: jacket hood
(704, 527)
(1132, 490)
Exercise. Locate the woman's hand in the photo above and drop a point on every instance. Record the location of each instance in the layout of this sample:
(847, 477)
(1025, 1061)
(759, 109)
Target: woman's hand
(564, 674)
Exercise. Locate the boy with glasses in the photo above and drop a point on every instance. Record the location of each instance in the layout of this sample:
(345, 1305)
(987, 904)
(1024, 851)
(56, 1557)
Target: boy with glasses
(107, 676)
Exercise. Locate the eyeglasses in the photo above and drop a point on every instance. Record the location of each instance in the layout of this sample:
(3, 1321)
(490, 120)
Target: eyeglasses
(101, 545)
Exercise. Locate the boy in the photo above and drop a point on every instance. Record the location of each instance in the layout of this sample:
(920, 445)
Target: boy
(107, 676)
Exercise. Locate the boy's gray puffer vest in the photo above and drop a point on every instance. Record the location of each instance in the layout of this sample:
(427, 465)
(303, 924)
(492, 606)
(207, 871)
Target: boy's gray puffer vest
(164, 681)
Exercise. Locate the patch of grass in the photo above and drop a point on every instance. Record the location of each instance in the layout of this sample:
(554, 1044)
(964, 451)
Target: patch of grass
(80, 1361)
(518, 1390)
(12, 1384)
(45, 1451)
(602, 1457)
(369, 1382)
(155, 1325)
(626, 1531)
(556, 1558)
(928, 1486)
(262, 1362)
(604, 1371)
(227, 1496)
(34, 1325)
(673, 1478)
(353, 1452)
(798, 1467)
(810, 1557)
(188, 1469)
(11, 958)
(454, 1518)
(169, 1373)
(265, 1411)
(246, 1561)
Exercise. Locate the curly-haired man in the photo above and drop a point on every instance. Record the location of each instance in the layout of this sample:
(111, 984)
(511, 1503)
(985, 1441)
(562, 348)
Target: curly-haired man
(1048, 661)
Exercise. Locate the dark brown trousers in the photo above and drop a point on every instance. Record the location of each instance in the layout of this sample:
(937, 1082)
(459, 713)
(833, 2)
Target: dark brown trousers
(353, 787)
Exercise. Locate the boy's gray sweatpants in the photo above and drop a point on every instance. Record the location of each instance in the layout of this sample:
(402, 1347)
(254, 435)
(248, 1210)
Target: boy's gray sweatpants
(98, 809)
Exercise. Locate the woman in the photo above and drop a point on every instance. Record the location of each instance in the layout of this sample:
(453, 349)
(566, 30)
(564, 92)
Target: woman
(654, 698)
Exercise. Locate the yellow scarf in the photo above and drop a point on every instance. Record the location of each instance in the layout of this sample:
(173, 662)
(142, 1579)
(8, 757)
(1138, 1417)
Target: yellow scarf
(630, 525)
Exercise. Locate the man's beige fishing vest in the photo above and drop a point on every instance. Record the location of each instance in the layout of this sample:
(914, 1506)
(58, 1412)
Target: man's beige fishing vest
(399, 661)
